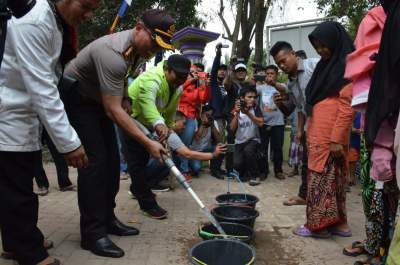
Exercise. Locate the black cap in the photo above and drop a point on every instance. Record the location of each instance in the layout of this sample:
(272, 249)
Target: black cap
(223, 67)
(179, 64)
(162, 25)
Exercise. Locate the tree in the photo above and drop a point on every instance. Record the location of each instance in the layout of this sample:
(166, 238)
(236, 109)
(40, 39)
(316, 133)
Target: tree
(184, 11)
(354, 10)
(249, 22)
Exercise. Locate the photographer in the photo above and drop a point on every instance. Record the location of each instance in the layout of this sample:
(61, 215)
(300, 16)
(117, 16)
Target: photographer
(233, 83)
(202, 141)
(196, 92)
(245, 123)
(274, 124)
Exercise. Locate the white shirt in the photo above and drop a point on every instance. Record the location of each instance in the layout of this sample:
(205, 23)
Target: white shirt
(247, 130)
(29, 76)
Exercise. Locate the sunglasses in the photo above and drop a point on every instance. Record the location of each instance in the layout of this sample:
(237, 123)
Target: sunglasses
(152, 36)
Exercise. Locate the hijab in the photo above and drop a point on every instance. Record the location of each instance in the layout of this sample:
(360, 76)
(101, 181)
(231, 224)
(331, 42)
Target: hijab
(328, 77)
(384, 94)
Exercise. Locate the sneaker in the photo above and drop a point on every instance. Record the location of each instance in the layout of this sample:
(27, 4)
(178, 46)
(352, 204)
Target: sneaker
(187, 177)
(160, 188)
(254, 182)
(293, 173)
(216, 174)
(42, 191)
(124, 176)
(71, 187)
(279, 175)
(156, 213)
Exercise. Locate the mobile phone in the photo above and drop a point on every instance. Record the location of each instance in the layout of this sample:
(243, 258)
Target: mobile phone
(243, 104)
(259, 78)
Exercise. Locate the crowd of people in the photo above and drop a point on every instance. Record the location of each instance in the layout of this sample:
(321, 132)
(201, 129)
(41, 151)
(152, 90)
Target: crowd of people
(90, 107)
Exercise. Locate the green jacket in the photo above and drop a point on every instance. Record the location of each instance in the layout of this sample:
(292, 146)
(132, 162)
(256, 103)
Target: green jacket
(151, 100)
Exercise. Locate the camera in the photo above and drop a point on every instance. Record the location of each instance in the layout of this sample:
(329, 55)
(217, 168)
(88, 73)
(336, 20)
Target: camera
(243, 104)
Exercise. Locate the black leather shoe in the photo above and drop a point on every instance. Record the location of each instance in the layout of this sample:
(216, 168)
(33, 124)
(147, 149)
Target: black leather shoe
(116, 227)
(103, 247)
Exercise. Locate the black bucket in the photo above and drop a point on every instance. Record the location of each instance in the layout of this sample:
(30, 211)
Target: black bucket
(237, 199)
(222, 252)
(235, 214)
(237, 231)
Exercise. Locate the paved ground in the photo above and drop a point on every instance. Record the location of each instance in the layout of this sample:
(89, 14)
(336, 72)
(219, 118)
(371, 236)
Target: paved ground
(168, 241)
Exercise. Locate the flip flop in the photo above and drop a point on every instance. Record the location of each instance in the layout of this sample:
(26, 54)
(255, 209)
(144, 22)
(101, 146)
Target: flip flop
(341, 233)
(368, 261)
(305, 232)
(354, 245)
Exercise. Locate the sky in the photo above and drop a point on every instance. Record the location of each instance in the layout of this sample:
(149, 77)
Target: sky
(295, 10)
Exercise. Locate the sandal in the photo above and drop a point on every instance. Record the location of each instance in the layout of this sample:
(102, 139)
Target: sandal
(355, 245)
(48, 244)
(336, 232)
(368, 261)
(305, 232)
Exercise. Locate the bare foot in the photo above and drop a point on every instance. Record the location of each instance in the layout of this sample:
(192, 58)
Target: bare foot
(49, 261)
(296, 200)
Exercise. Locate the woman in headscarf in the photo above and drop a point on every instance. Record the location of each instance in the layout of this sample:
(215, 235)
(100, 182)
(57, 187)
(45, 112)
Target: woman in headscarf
(374, 77)
(330, 116)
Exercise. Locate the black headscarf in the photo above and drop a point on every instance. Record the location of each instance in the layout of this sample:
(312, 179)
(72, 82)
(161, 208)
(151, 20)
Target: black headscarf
(328, 77)
(384, 94)
(387, 4)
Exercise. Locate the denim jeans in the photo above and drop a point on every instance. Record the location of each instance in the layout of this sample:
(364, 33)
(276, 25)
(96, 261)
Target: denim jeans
(195, 165)
(155, 172)
(187, 137)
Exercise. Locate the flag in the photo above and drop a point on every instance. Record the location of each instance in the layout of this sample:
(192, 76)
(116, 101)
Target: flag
(121, 12)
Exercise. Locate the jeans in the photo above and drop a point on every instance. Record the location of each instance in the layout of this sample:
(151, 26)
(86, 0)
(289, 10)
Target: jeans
(98, 184)
(123, 166)
(187, 137)
(19, 207)
(304, 169)
(275, 136)
(195, 165)
(155, 172)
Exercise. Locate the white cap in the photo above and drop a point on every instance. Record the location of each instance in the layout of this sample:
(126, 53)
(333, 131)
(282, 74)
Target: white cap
(240, 65)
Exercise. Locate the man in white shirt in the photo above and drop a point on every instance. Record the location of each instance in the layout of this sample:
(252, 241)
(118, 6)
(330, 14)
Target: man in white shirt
(274, 123)
(245, 123)
(29, 76)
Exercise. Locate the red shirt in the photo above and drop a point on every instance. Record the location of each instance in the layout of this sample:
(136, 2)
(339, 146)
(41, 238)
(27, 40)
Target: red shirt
(192, 98)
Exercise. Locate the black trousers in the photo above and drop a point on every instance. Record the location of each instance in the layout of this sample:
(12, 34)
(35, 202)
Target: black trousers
(245, 159)
(19, 207)
(274, 136)
(304, 169)
(59, 161)
(137, 158)
(98, 184)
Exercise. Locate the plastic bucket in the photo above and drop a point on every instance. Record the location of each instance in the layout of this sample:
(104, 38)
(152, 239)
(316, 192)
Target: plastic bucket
(237, 199)
(235, 214)
(234, 230)
(222, 252)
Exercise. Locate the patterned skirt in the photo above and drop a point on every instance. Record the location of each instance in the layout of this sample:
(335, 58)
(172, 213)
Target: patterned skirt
(380, 207)
(326, 196)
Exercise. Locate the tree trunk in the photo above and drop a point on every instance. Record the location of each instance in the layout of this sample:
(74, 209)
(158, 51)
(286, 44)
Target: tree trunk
(235, 34)
(262, 6)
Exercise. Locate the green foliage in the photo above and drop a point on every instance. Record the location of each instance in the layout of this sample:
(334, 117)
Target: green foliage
(184, 11)
(355, 11)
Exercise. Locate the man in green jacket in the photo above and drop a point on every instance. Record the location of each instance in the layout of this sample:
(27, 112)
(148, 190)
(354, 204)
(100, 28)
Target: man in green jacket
(155, 96)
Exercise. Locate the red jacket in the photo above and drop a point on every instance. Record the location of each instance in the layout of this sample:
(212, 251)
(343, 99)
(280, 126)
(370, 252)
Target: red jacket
(192, 98)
